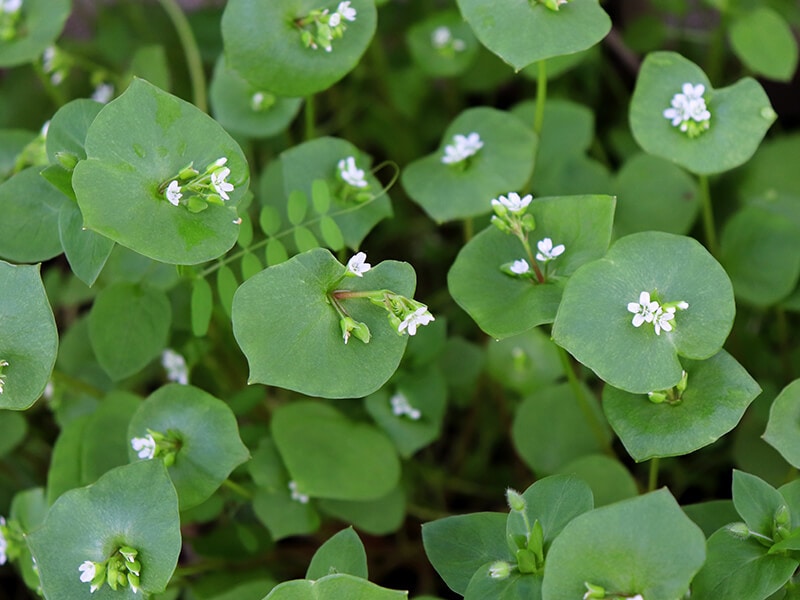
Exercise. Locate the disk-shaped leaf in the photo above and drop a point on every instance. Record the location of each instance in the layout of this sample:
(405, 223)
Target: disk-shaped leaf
(502, 165)
(522, 32)
(210, 447)
(40, 25)
(738, 568)
(458, 546)
(133, 505)
(654, 194)
(330, 456)
(550, 429)
(524, 363)
(764, 42)
(123, 350)
(30, 208)
(136, 145)
(740, 116)
(759, 249)
(594, 325)
(342, 553)
(86, 250)
(719, 392)
(236, 105)
(252, 30)
(28, 336)
(783, 428)
(438, 54)
(502, 305)
(645, 545)
(424, 391)
(283, 321)
(108, 445)
(381, 516)
(333, 587)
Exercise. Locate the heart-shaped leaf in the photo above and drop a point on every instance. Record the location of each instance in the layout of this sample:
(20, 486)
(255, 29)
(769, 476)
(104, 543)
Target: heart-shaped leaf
(465, 189)
(278, 310)
(28, 336)
(502, 305)
(137, 145)
(252, 30)
(342, 553)
(740, 116)
(210, 447)
(329, 456)
(783, 428)
(719, 392)
(524, 31)
(333, 587)
(594, 323)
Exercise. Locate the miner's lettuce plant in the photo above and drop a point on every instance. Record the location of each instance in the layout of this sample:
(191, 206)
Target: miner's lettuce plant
(332, 270)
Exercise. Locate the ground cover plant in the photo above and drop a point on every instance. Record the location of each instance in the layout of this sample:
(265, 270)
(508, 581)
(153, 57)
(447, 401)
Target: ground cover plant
(372, 300)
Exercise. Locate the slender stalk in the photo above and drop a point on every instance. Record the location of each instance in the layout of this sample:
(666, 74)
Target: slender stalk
(469, 229)
(652, 480)
(310, 118)
(235, 487)
(708, 216)
(591, 417)
(190, 49)
(541, 97)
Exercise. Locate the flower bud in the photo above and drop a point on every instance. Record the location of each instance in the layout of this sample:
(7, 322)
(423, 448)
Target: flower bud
(739, 530)
(499, 569)
(67, 160)
(515, 500)
(593, 591)
(656, 397)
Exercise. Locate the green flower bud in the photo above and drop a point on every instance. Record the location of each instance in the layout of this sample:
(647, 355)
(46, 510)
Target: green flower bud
(188, 172)
(515, 500)
(133, 581)
(500, 224)
(134, 567)
(656, 397)
(681, 387)
(593, 591)
(67, 160)
(128, 553)
(499, 569)
(526, 561)
(783, 516)
(739, 530)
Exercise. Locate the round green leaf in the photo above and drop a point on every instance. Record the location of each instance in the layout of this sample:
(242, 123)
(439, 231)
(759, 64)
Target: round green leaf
(235, 105)
(522, 32)
(465, 189)
(28, 336)
(783, 428)
(68, 129)
(123, 350)
(333, 587)
(254, 30)
(764, 42)
(107, 445)
(653, 194)
(284, 322)
(551, 430)
(30, 208)
(139, 142)
(595, 326)
(740, 116)
(12, 143)
(329, 456)
(524, 363)
(382, 516)
(609, 480)
(210, 445)
(502, 305)
(276, 253)
(440, 56)
(645, 545)
(719, 392)
(40, 25)
(282, 516)
(759, 249)
(133, 505)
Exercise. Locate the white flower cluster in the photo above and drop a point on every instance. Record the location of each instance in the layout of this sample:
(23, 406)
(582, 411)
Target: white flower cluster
(647, 310)
(442, 40)
(351, 174)
(546, 253)
(513, 203)
(175, 366)
(462, 148)
(419, 317)
(297, 496)
(401, 406)
(329, 26)
(54, 65)
(103, 93)
(688, 110)
(145, 447)
(210, 186)
(3, 542)
(121, 570)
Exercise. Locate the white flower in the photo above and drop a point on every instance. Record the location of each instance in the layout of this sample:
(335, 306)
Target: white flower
(662, 318)
(144, 447)
(441, 36)
(220, 162)
(88, 570)
(48, 57)
(693, 92)
(256, 101)
(513, 203)
(103, 93)
(352, 175)
(45, 128)
(173, 192)
(401, 406)
(348, 13)
(297, 496)
(220, 185)
(644, 310)
(688, 110)
(10, 6)
(357, 266)
(520, 267)
(175, 366)
(547, 251)
(462, 148)
(683, 305)
(421, 316)
(3, 365)
(3, 543)
(335, 19)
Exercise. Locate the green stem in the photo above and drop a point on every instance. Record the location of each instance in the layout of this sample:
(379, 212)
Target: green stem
(469, 229)
(235, 487)
(193, 60)
(708, 216)
(598, 429)
(59, 378)
(652, 480)
(541, 97)
(310, 118)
